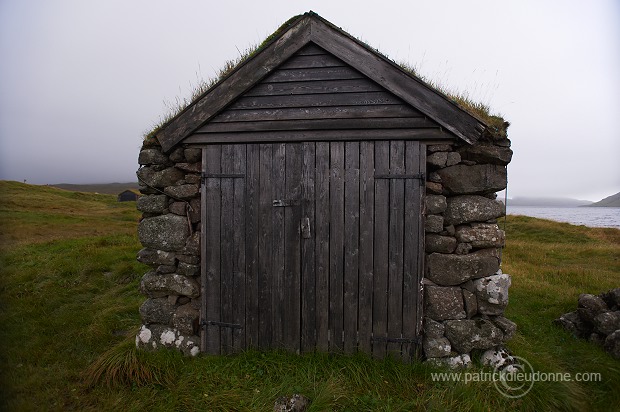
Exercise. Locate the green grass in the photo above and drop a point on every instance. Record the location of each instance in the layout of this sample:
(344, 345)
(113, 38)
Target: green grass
(68, 310)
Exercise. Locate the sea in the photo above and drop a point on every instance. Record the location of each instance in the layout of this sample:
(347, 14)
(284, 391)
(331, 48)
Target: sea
(587, 216)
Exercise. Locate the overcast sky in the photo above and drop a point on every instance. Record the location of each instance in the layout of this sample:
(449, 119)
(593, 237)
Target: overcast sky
(81, 81)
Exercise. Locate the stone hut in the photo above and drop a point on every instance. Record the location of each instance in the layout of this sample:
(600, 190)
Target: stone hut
(321, 197)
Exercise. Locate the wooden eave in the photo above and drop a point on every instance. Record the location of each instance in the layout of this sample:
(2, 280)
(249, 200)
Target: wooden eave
(312, 28)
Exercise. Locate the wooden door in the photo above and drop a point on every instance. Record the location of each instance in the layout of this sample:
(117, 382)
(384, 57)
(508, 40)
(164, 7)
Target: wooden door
(313, 246)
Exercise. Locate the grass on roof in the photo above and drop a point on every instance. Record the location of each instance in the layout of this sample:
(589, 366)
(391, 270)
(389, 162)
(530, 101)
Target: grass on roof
(495, 122)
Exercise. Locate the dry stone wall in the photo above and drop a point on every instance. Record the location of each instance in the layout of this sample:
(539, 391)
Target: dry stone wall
(170, 233)
(465, 292)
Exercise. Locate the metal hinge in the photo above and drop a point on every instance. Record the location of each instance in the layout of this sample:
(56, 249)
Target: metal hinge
(222, 175)
(221, 324)
(394, 340)
(286, 202)
(420, 176)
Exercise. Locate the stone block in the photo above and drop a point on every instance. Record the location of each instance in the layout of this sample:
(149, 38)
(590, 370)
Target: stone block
(433, 224)
(468, 334)
(472, 208)
(189, 167)
(606, 323)
(436, 347)
(612, 344)
(487, 153)
(166, 232)
(471, 303)
(443, 303)
(434, 188)
(178, 155)
(450, 270)
(151, 157)
(193, 154)
(492, 294)
(155, 285)
(156, 311)
(155, 257)
(152, 203)
(453, 159)
(437, 159)
(507, 326)
(432, 328)
(186, 269)
(439, 244)
(481, 235)
(435, 204)
(185, 320)
(155, 336)
(476, 179)
(185, 191)
(160, 179)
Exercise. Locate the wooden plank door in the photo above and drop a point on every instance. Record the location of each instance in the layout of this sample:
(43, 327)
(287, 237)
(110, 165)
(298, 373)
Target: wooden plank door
(313, 246)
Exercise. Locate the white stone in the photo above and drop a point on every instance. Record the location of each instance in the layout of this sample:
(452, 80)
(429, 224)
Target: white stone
(167, 337)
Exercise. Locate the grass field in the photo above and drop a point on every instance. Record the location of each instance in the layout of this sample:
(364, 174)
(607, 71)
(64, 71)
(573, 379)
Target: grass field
(68, 310)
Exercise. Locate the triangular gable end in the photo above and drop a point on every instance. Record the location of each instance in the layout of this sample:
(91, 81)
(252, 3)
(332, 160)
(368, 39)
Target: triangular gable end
(316, 96)
(302, 38)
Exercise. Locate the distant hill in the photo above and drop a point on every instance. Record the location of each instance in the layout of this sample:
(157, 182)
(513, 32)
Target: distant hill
(547, 202)
(104, 188)
(610, 201)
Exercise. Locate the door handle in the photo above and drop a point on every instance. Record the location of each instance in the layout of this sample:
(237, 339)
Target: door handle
(305, 228)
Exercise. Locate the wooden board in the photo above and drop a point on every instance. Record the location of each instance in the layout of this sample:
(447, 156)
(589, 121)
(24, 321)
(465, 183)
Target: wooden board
(313, 246)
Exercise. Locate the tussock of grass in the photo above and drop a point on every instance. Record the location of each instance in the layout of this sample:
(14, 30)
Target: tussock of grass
(123, 364)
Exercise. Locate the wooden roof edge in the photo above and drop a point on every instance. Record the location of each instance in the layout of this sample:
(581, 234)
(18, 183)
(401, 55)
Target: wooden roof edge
(289, 38)
(476, 125)
(169, 140)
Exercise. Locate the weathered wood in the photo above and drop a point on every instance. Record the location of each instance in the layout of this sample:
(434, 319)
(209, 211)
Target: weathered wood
(292, 236)
(396, 245)
(394, 79)
(238, 82)
(381, 248)
(311, 49)
(278, 177)
(361, 62)
(366, 245)
(336, 245)
(251, 246)
(239, 236)
(322, 218)
(318, 124)
(308, 62)
(265, 247)
(336, 112)
(314, 87)
(419, 236)
(351, 244)
(322, 73)
(318, 100)
(227, 251)
(434, 135)
(212, 247)
(413, 232)
(203, 256)
(308, 267)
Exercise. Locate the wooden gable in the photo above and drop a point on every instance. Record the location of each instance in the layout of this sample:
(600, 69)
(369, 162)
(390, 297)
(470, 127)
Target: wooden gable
(315, 82)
